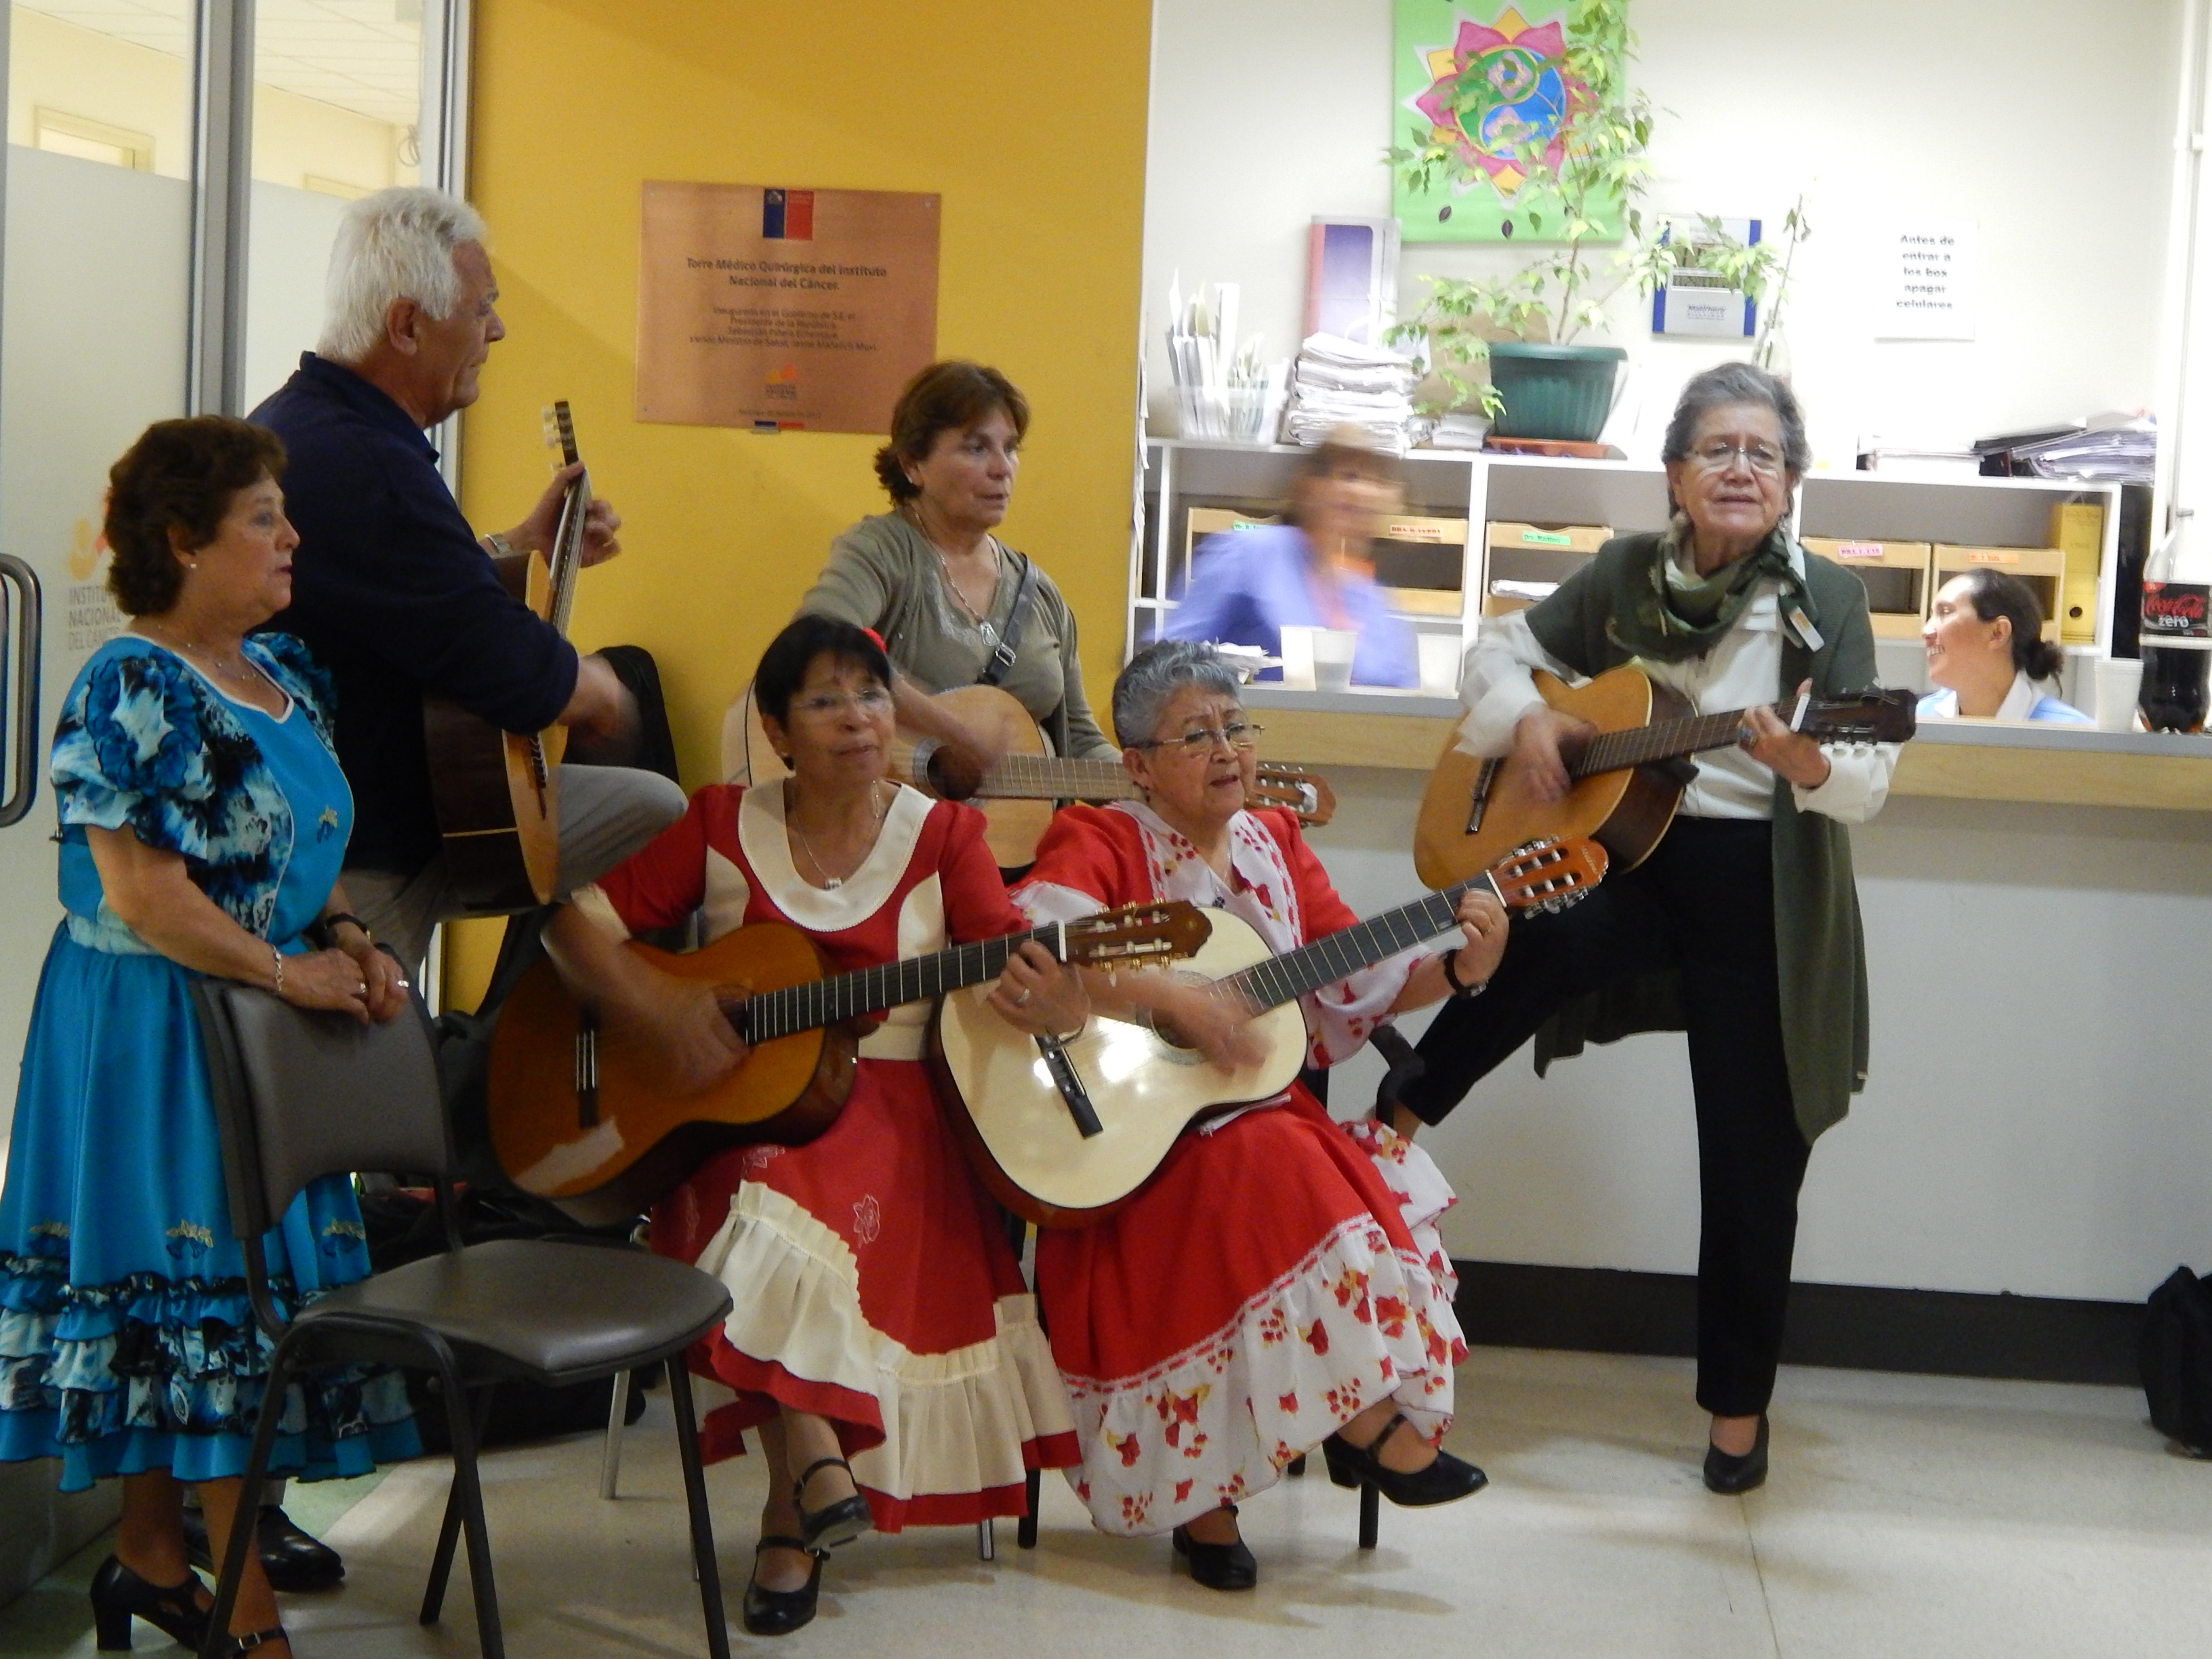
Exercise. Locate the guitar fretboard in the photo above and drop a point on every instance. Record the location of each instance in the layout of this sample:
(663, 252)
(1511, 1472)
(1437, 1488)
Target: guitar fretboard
(1282, 979)
(821, 1002)
(1640, 745)
(1045, 777)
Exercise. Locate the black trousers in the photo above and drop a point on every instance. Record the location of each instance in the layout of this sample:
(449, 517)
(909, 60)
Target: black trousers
(1702, 903)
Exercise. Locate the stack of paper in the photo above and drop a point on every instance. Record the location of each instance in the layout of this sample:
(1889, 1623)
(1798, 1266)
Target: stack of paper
(1457, 432)
(2110, 449)
(1339, 382)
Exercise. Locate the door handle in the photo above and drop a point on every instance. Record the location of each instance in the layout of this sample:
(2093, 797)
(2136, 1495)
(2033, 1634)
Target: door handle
(23, 755)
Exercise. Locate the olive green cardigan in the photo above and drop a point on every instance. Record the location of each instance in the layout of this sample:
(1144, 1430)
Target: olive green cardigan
(1818, 941)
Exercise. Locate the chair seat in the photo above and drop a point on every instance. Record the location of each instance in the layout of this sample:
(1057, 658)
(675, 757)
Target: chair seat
(558, 1313)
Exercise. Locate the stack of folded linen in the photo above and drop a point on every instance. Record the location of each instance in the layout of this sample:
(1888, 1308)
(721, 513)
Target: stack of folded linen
(1341, 383)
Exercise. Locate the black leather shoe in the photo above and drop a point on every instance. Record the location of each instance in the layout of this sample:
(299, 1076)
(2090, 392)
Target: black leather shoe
(295, 1561)
(1444, 1481)
(1218, 1566)
(1729, 1475)
(832, 1525)
(119, 1595)
(778, 1613)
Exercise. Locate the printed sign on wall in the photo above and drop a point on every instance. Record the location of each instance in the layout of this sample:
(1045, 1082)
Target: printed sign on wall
(783, 309)
(1926, 279)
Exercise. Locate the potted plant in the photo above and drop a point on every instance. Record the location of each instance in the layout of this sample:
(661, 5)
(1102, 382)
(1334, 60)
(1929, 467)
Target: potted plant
(1582, 186)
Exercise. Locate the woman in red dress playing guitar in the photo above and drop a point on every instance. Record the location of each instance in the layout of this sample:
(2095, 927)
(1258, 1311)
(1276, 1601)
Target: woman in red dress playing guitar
(1280, 1283)
(880, 1316)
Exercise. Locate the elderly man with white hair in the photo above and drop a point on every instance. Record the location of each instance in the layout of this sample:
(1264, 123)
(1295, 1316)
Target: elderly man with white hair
(397, 595)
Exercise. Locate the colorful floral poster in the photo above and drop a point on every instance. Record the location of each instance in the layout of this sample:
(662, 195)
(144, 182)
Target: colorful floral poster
(1528, 93)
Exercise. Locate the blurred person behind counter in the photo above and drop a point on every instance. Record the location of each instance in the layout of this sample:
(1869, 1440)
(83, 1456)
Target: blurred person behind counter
(1315, 569)
(1986, 647)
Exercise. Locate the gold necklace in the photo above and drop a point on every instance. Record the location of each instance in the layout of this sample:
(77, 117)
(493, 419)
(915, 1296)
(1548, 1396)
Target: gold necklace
(829, 883)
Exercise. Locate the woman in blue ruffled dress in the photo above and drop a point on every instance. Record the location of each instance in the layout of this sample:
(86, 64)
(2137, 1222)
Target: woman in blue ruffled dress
(203, 819)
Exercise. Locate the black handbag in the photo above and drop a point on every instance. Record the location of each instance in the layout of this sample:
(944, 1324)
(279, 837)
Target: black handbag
(2177, 1361)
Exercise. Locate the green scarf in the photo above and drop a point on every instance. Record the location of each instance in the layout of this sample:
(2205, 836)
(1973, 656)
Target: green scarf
(1671, 622)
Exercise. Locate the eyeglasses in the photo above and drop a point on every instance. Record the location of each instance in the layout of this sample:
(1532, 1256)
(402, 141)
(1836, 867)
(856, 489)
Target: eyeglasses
(1239, 734)
(870, 700)
(1720, 454)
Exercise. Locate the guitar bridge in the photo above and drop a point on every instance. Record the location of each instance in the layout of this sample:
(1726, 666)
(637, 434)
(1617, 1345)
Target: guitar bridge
(538, 774)
(1069, 1082)
(586, 1077)
(1479, 805)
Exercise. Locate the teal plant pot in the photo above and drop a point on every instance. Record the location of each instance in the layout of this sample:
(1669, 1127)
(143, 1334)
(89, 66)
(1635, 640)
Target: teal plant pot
(1558, 392)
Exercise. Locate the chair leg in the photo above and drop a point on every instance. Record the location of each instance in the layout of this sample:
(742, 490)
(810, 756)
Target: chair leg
(1296, 1468)
(1370, 1515)
(702, 1526)
(610, 1460)
(466, 1430)
(1025, 1531)
(242, 1527)
(987, 1539)
(449, 1528)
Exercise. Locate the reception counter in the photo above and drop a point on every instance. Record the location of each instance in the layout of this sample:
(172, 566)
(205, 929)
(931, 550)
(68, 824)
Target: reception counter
(1954, 760)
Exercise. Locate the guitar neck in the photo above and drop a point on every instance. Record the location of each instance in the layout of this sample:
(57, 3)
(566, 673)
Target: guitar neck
(1640, 745)
(1282, 979)
(568, 550)
(820, 1002)
(1045, 777)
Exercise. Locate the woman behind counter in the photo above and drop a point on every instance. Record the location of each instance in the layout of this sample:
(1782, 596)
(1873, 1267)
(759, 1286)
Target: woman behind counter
(1315, 569)
(203, 821)
(944, 594)
(1986, 650)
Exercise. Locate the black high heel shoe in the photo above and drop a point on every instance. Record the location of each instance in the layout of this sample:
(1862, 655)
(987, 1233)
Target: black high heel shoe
(1730, 1474)
(1218, 1566)
(834, 1524)
(1444, 1481)
(119, 1595)
(778, 1613)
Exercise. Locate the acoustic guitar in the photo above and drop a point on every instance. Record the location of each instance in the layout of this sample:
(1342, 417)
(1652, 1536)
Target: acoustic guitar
(1018, 794)
(1065, 1138)
(498, 808)
(583, 1116)
(1627, 779)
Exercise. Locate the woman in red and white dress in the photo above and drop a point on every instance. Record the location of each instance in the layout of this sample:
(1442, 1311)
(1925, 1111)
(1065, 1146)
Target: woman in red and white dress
(1280, 1283)
(880, 1315)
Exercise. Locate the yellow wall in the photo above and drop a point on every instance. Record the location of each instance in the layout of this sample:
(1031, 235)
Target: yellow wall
(1028, 119)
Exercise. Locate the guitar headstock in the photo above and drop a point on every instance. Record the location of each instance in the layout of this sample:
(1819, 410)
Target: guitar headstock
(1137, 934)
(1548, 875)
(1306, 794)
(1890, 716)
(561, 431)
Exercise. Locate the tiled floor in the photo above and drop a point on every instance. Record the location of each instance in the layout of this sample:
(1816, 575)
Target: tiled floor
(1907, 1517)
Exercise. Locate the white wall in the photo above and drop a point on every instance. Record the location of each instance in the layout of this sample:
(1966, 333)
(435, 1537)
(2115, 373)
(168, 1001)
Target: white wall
(2035, 1116)
(2048, 121)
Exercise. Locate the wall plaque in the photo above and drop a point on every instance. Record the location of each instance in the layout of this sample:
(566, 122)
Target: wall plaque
(782, 309)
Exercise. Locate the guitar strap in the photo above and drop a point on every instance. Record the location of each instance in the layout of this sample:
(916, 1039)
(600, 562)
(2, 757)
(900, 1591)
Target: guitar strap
(1001, 661)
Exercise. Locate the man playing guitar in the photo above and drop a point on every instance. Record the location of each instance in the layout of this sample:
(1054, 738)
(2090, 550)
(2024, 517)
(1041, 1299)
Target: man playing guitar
(392, 590)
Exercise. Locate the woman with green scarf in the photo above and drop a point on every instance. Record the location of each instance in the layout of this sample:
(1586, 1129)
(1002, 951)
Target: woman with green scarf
(1742, 928)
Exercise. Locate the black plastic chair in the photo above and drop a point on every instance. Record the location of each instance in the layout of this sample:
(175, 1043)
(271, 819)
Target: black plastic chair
(301, 1095)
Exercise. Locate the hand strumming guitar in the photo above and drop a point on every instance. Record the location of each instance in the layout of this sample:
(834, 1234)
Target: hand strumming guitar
(1538, 743)
(679, 1021)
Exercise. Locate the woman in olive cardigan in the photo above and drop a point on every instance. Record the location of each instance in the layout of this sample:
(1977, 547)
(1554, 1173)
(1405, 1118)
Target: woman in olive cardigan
(1742, 928)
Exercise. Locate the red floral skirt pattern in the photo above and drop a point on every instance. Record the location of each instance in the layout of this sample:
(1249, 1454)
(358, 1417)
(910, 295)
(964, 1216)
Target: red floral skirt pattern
(1263, 1291)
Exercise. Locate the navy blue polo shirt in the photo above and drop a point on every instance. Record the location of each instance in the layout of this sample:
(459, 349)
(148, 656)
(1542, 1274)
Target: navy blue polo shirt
(394, 596)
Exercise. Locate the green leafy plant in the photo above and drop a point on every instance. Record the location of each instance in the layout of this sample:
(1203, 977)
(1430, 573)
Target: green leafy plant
(1582, 188)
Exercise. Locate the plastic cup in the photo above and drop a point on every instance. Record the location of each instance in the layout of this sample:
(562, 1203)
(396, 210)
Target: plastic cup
(1298, 658)
(2119, 685)
(1332, 657)
(1440, 663)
